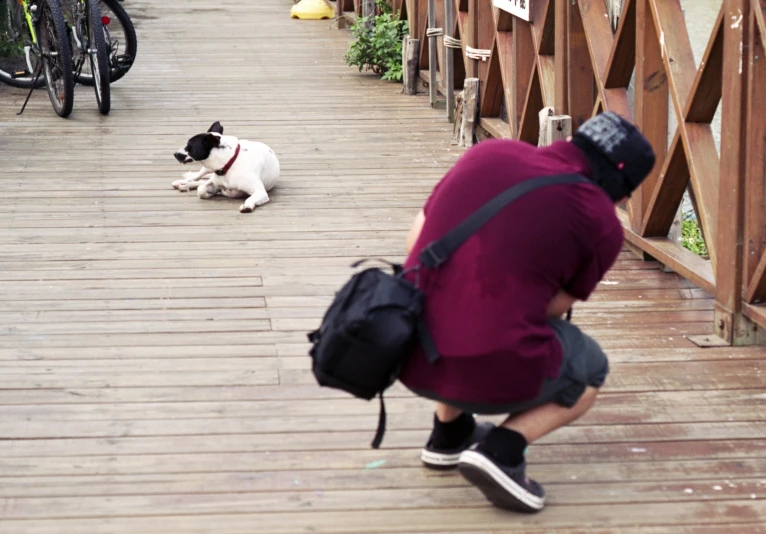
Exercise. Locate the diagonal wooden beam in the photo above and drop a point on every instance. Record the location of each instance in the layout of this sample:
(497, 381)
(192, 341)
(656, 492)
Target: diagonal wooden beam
(598, 34)
(622, 60)
(524, 62)
(705, 169)
(676, 50)
(617, 100)
(582, 94)
(759, 12)
(756, 290)
(546, 68)
(492, 88)
(707, 88)
(547, 40)
(504, 46)
(668, 192)
(529, 128)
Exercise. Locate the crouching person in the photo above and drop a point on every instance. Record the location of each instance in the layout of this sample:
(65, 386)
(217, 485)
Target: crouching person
(495, 307)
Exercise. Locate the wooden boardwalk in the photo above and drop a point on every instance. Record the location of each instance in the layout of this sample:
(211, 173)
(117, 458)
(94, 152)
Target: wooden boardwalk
(154, 375)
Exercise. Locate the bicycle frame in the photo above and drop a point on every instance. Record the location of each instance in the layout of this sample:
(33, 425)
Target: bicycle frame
(28, 18)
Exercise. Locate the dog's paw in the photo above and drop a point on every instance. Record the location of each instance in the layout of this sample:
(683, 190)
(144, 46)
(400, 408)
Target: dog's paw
(190, 175)
(244, 208)
(181, 185)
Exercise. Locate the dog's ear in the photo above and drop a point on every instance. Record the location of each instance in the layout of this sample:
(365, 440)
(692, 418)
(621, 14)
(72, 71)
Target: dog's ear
(211, 141)
(216, 128)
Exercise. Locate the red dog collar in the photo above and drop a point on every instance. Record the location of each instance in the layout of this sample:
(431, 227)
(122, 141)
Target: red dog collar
(229, 164)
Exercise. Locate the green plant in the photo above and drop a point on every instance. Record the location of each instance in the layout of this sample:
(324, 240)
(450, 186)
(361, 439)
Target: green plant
(379, 48)
(691, 237)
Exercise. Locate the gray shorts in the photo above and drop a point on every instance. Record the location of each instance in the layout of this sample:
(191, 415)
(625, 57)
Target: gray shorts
(583, 364)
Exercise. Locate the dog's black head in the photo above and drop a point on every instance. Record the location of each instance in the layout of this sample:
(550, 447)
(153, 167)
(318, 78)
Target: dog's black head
(199, 147)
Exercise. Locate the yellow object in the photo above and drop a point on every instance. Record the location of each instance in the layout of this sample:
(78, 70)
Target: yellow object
(312, 10)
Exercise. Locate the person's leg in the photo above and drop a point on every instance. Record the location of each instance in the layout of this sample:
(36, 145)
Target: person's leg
(496, 465)
(446, 413)
(537, 422)
(454, 430)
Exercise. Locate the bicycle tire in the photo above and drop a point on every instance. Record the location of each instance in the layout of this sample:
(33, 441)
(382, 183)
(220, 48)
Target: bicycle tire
(130, 45)
(16, 24)
(99, 65)
(52, 34)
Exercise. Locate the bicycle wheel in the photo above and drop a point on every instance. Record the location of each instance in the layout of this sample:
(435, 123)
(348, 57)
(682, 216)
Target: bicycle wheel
(97, 55)
(56, 56)
(17, 51)
(121, 42)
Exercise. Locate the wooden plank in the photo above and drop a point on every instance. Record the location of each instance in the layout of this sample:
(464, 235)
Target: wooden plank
(299, 480)
(682, 261)
(618, 406)
(329, 500)
(727, 513)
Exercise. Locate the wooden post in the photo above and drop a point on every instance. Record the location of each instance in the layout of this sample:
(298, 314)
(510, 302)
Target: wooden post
(561, 53)
(449, 56)
(432, 60)
(368, 10)
(410, 55)
(468, 113)
(558, 128)
(553, 127)
(730, 324)
(651, 108)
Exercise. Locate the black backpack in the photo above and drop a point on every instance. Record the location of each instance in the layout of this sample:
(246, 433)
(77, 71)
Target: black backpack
(375, 320)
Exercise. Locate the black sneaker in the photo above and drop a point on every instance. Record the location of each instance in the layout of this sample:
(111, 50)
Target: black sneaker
(505, 487)
(447, 458)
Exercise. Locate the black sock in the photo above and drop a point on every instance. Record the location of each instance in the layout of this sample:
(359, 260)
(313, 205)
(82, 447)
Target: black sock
(451, 435)
(505, 446)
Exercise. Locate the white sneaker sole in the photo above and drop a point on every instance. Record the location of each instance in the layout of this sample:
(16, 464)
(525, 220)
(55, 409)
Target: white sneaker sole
(499, 489)
(435, 459)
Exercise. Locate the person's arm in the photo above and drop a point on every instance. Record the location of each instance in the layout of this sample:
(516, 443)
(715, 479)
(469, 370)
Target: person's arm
(417, 227)
(562, 302)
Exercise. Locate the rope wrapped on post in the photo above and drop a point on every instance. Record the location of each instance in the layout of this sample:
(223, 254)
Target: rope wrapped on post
(477, 53)
(451, 42)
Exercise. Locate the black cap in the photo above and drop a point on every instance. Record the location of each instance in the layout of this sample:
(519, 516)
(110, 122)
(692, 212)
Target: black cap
(619, 154)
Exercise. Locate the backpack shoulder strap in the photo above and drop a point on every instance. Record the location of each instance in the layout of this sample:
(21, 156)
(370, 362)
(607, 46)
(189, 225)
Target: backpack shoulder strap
(437, 252)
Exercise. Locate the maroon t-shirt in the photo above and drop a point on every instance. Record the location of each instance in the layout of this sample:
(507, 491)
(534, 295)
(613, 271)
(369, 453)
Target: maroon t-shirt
(486, 306)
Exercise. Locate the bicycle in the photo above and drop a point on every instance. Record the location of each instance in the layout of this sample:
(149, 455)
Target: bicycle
(34, 42)
(88, 40)
(121, 42)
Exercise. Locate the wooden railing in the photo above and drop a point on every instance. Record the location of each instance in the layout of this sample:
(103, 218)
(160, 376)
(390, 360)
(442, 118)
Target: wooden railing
(570, 58)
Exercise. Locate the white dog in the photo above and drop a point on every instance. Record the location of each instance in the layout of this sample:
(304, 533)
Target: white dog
(231, 167)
